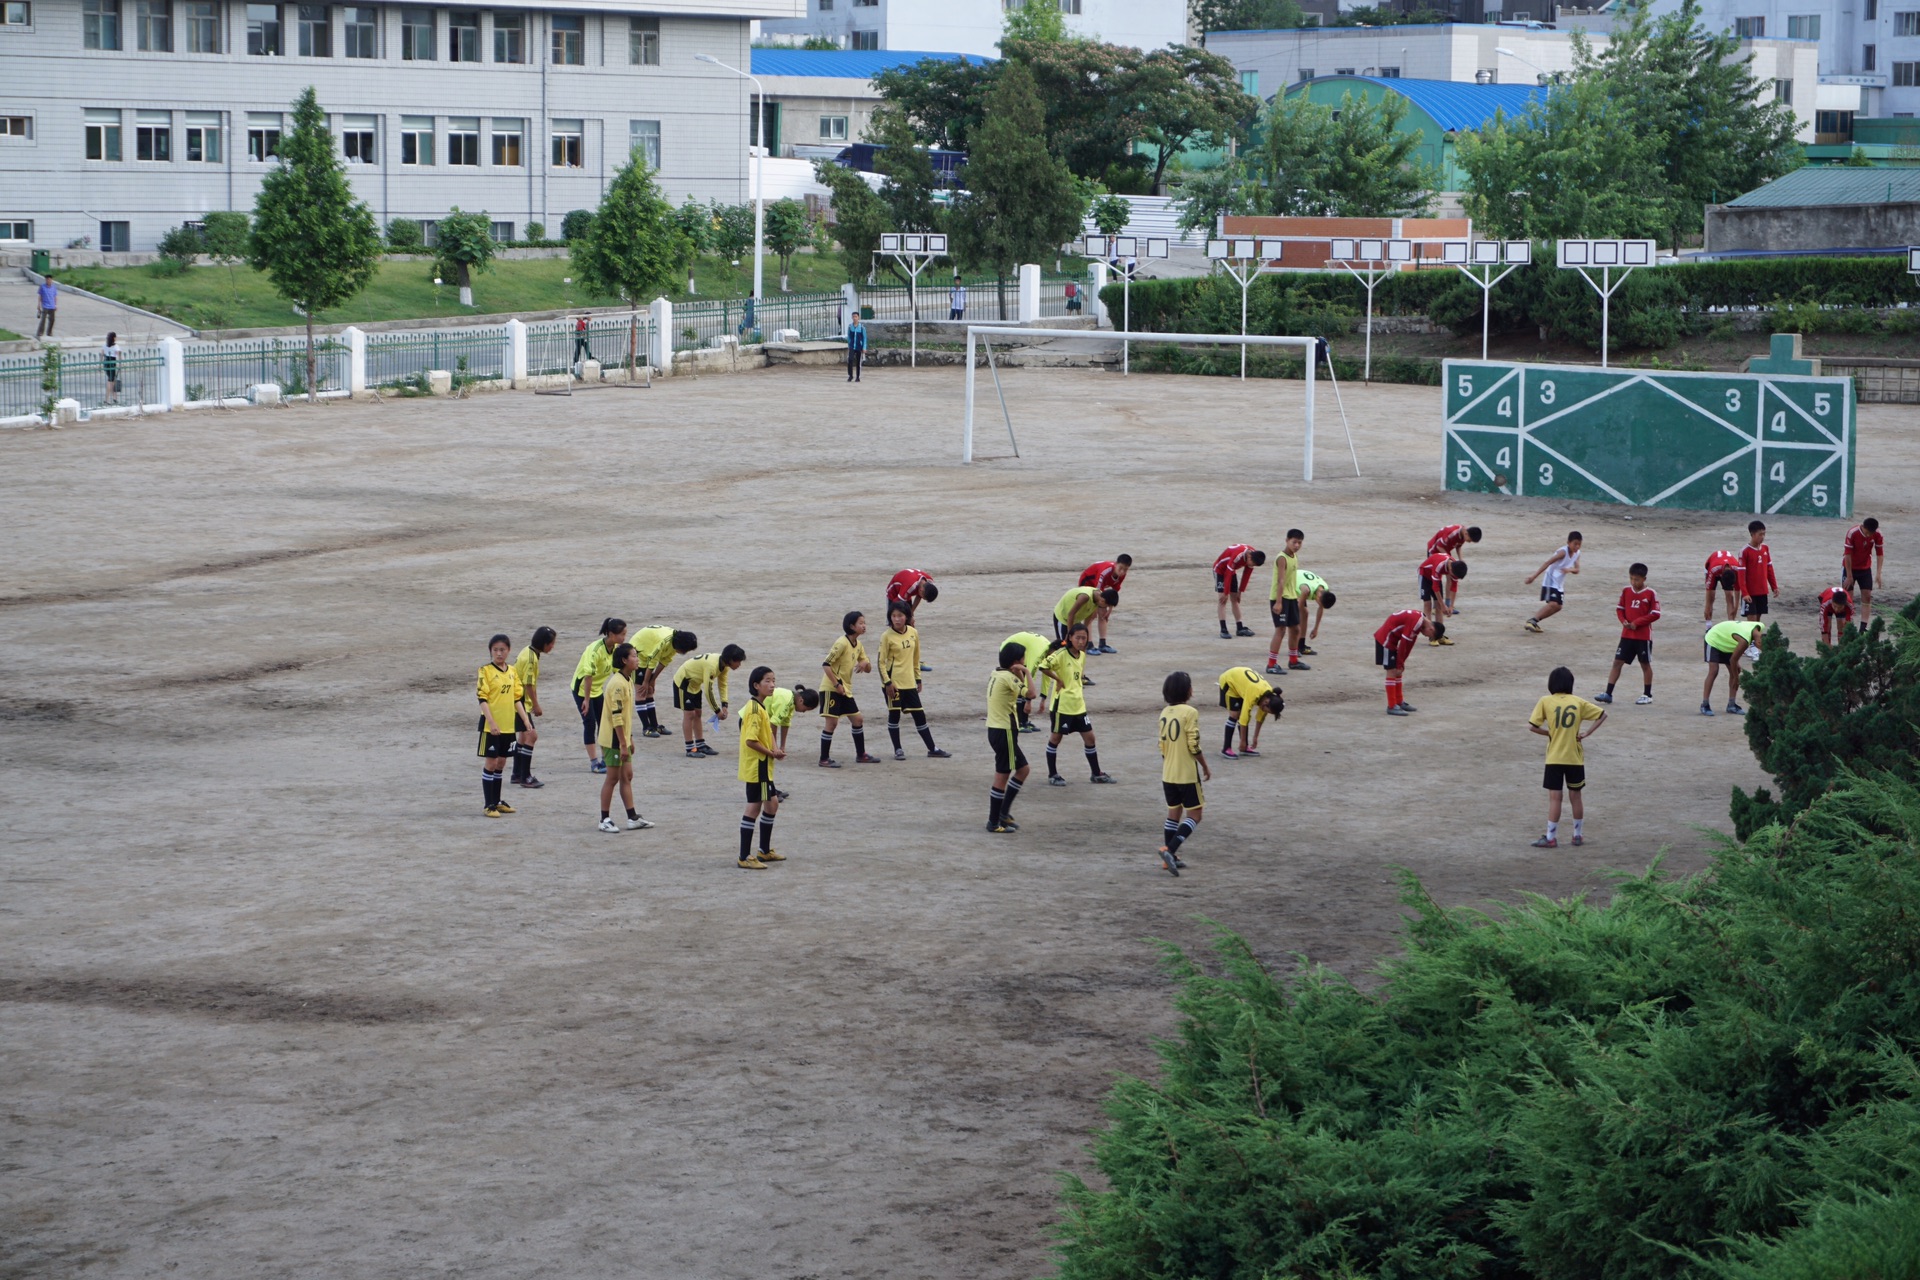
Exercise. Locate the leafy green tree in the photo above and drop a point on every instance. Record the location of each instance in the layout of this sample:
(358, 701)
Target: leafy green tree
(1086, 123)
(463, 247)
(182, 244)
(859, 216)
(1245, 15)
(1033, 21)
(912, 188)
(732, 230)
(1111, 214)
(789, 229)
(404, 235)
(943, 99)
(574, 225)
(634, 248)
(1353, 162)
(1021, 203)
(695, 222)
(1228, 189)
(224, 235)
(317, 244)
(1180, 95)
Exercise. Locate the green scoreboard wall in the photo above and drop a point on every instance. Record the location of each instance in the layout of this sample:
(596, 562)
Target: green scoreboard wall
(1750, 442)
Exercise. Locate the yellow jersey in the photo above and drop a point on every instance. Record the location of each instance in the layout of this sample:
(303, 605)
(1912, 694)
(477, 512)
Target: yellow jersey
(595, 665)
(1561, 714)
(1034, 645)
(616, 711)
(1286, 584)
(1070, 669)
(1004, 689)
(705, 673)
(654, 645)
(1078, 605)
(1309, 584)
(499, 688)
(756, 726)
(900, 658)
(1180, 744)
(1249, 686)
(527, 667)
(780, 707)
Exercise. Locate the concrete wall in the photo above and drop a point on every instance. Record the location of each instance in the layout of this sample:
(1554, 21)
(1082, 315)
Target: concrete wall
(1839, 226)
(804, 99)
(701, 109)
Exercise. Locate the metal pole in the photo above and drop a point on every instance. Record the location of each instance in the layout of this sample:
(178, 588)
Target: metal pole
(913, 315)
(1243, 321)
(760, 199)
(1366, 371)
(1313, 358)
(1606, 308)
(966, 443)
(1126, 320)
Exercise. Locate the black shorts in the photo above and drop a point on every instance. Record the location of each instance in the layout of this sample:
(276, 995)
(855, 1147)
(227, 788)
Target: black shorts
(1633, 650)
(520, 722)
(1286, 613)
(494, 746)
(685, 699)
(1007, 755)
(1863, 579)
(1427, 592)
(838, 704)
(1226, 582)
(1385, 657)
(760, 790)
(1060, 630)
(1183, 795)
(1754, 607)
(1552, 595)
(590, 720)
(904, 699)
(1711, 654)
(1232, 705)
(1064, 724)
(1571, 776)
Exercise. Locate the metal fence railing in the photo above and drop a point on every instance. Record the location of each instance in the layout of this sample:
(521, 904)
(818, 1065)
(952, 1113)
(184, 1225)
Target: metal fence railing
(551, 347)
(82, 376)
(815, 315)
(934, 300)
(395, 359)
(225, 370)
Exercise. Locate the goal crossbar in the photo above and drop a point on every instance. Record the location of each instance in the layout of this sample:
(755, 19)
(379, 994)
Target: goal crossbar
(982, 332)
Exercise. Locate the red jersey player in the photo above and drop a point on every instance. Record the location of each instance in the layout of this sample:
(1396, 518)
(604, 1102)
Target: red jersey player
(1453, 540)
(1835, 606)
(1438, 572)
(911, 587)
(1638, 610)
(1103, 575)
(1858, 568)
(1393, 643)
(1756, 579)
(1231, 569)
(1724, 572)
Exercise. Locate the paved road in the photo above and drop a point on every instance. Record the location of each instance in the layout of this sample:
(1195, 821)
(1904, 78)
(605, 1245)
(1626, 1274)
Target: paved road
(82, 321)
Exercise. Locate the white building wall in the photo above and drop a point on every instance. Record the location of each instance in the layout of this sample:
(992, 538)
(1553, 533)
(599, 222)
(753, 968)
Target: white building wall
(702, 113)
(1847, 29)
(973, 26)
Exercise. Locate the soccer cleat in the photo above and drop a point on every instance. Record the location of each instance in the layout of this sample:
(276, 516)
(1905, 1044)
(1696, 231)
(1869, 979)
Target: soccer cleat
(1408, 706)
(1001, 830)
(864, 758)
(1248, 751)
(1009, 824)
(1229, 754)
(1578, 841)
(1055, 780)
(1308, 651)
(1705, 710)
(937, 754)
(1107, 648)
(638, 824)
(925, 667)
(705, 750)
(1102, 778)
(829, 764)
(1028, 726)
(770, 855)
(530, 782)
(1533, 626)
(1087, 681)
(606, 825)
(1273, 668)
(1298, 666)
(1224, 633)
(751, 864)
(1242, 629)
(492, 812)
(1444, 640)
(1643, 700)
(1168, 861)
(597, 766)
(778, 794)
(1546, 842)
(503, 807)
(1397, 711)
(1733, 709)
(899, 754)
(1604, 699)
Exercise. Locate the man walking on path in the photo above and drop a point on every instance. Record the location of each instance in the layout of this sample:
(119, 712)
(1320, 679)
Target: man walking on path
(49, 302)
(856, 353)
(957, 301)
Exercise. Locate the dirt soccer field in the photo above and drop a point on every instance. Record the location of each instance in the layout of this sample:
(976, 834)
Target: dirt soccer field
(275, 998)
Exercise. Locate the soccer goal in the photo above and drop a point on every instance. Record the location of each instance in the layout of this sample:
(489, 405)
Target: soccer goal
(983, 335)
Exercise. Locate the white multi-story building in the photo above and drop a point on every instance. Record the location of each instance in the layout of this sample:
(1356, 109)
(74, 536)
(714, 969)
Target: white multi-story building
(119, 119)
(974, 26)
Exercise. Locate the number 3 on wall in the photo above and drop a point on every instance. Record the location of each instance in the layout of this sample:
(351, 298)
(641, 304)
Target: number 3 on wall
(1730, 482)
(1546, 473)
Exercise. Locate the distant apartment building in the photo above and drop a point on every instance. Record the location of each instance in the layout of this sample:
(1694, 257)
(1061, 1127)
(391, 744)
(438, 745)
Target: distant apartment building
(974, 26)
(120, 119)
(819, 100)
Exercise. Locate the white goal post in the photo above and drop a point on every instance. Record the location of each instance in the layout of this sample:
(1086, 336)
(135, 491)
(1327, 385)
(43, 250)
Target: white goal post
(979, 332)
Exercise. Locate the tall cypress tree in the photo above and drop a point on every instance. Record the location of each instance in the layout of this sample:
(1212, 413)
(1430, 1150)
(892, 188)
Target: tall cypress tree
(634, 247)
(1022, 204)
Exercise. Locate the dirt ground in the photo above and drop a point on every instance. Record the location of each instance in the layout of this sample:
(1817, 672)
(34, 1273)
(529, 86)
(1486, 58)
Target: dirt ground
(275, 998)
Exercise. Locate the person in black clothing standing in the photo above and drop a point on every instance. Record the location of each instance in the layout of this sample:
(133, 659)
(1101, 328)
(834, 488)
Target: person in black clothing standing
(856, 347)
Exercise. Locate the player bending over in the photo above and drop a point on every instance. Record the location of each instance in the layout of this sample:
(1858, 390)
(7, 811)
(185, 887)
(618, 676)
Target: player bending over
(1182, 765)
(1393, 644)
(1033, 647)
(1231, 569)
(1836, 606)
(1248, 699)
(1453, 540)
(1104, 575)
(657, 646)
(1724, 573)
(1313, 591)
(1553, 590)
(1064, 665)
(1557, 718)
(1638, 610)
(527, 667)
(1438, 573)
(1726, 644)
(697, 681)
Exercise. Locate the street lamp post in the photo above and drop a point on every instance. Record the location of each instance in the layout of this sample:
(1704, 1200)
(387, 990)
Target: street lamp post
(759, 187)
(1505, 52)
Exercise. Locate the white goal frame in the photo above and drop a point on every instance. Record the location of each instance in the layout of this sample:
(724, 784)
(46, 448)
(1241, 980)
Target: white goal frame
(1308, 346)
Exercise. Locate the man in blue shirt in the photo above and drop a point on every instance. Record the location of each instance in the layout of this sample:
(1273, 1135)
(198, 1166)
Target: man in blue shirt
(957, 300)
(856, 347)
(49, 303)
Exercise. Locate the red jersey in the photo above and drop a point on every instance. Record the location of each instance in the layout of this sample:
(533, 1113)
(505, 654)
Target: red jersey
(1449, 539)
(1862, 546)
(1399, 632)
(1757, 566)
(1835, 602)
(1721, 561)
(1436, 571)
(1638, 611)
(903, 583)
(1236, 558)
(1101, 575)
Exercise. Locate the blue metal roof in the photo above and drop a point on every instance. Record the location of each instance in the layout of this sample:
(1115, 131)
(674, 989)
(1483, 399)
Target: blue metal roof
(851, 64)
(1452, 104)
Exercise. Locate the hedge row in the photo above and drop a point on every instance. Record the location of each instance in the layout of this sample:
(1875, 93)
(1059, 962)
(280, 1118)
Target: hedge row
(1655, 308)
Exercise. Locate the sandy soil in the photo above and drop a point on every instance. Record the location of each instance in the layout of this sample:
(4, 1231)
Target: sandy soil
(275, 999)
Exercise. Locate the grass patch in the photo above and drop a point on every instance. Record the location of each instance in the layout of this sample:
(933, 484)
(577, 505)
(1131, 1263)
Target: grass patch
(8, 335)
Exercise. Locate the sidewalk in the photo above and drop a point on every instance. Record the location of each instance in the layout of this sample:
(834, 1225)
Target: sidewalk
(82, 321)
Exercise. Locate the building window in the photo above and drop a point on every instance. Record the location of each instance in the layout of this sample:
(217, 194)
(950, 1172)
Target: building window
(643, 136)
(263, 135)
(1343, 71)
(316, 31)
(360, 28)
(356, 140)
(506, 143)
(1907, 23)
(1783, 91)
(114, 237)
(1869, 57)
(1750, 28)
(1872, 13)
(1250, 82)
(100, 23)
(416, 35)
(153, 26)
(502, 232)
(569, 40)
(509, 37)
(16, 127)
(203, 26)
(567, 151)
(1906, 75)
(1066, 6)
(17, 13)
(863, 40)
(463, 36)
(463, 140)
(1306, 74)
(1830, 127)
(1389, 73)
(429, 232)
(416, 140)
(103, 133)
(12, 230)
(153, 135)
(643, 42)
(833, 128)
(1804, 27)
(826, 6)
(203, 137)
(263, 31)
(865, 4)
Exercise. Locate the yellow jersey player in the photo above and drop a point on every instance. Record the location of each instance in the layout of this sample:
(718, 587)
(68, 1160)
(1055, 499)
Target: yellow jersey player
(589, 679)
(846, 657)
(757, 754)
(900, 678)
(1249, 700)
(1033, 647)
(1004, 687)
(1313, 591)
(1557, 718)
(781, 704)
(1182, 765)
(1065, 667)
(657, 646)
(616, 739)
(1283, 603)
(700, 680)
(499, 689)
(1081, 604)
(527, 667)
